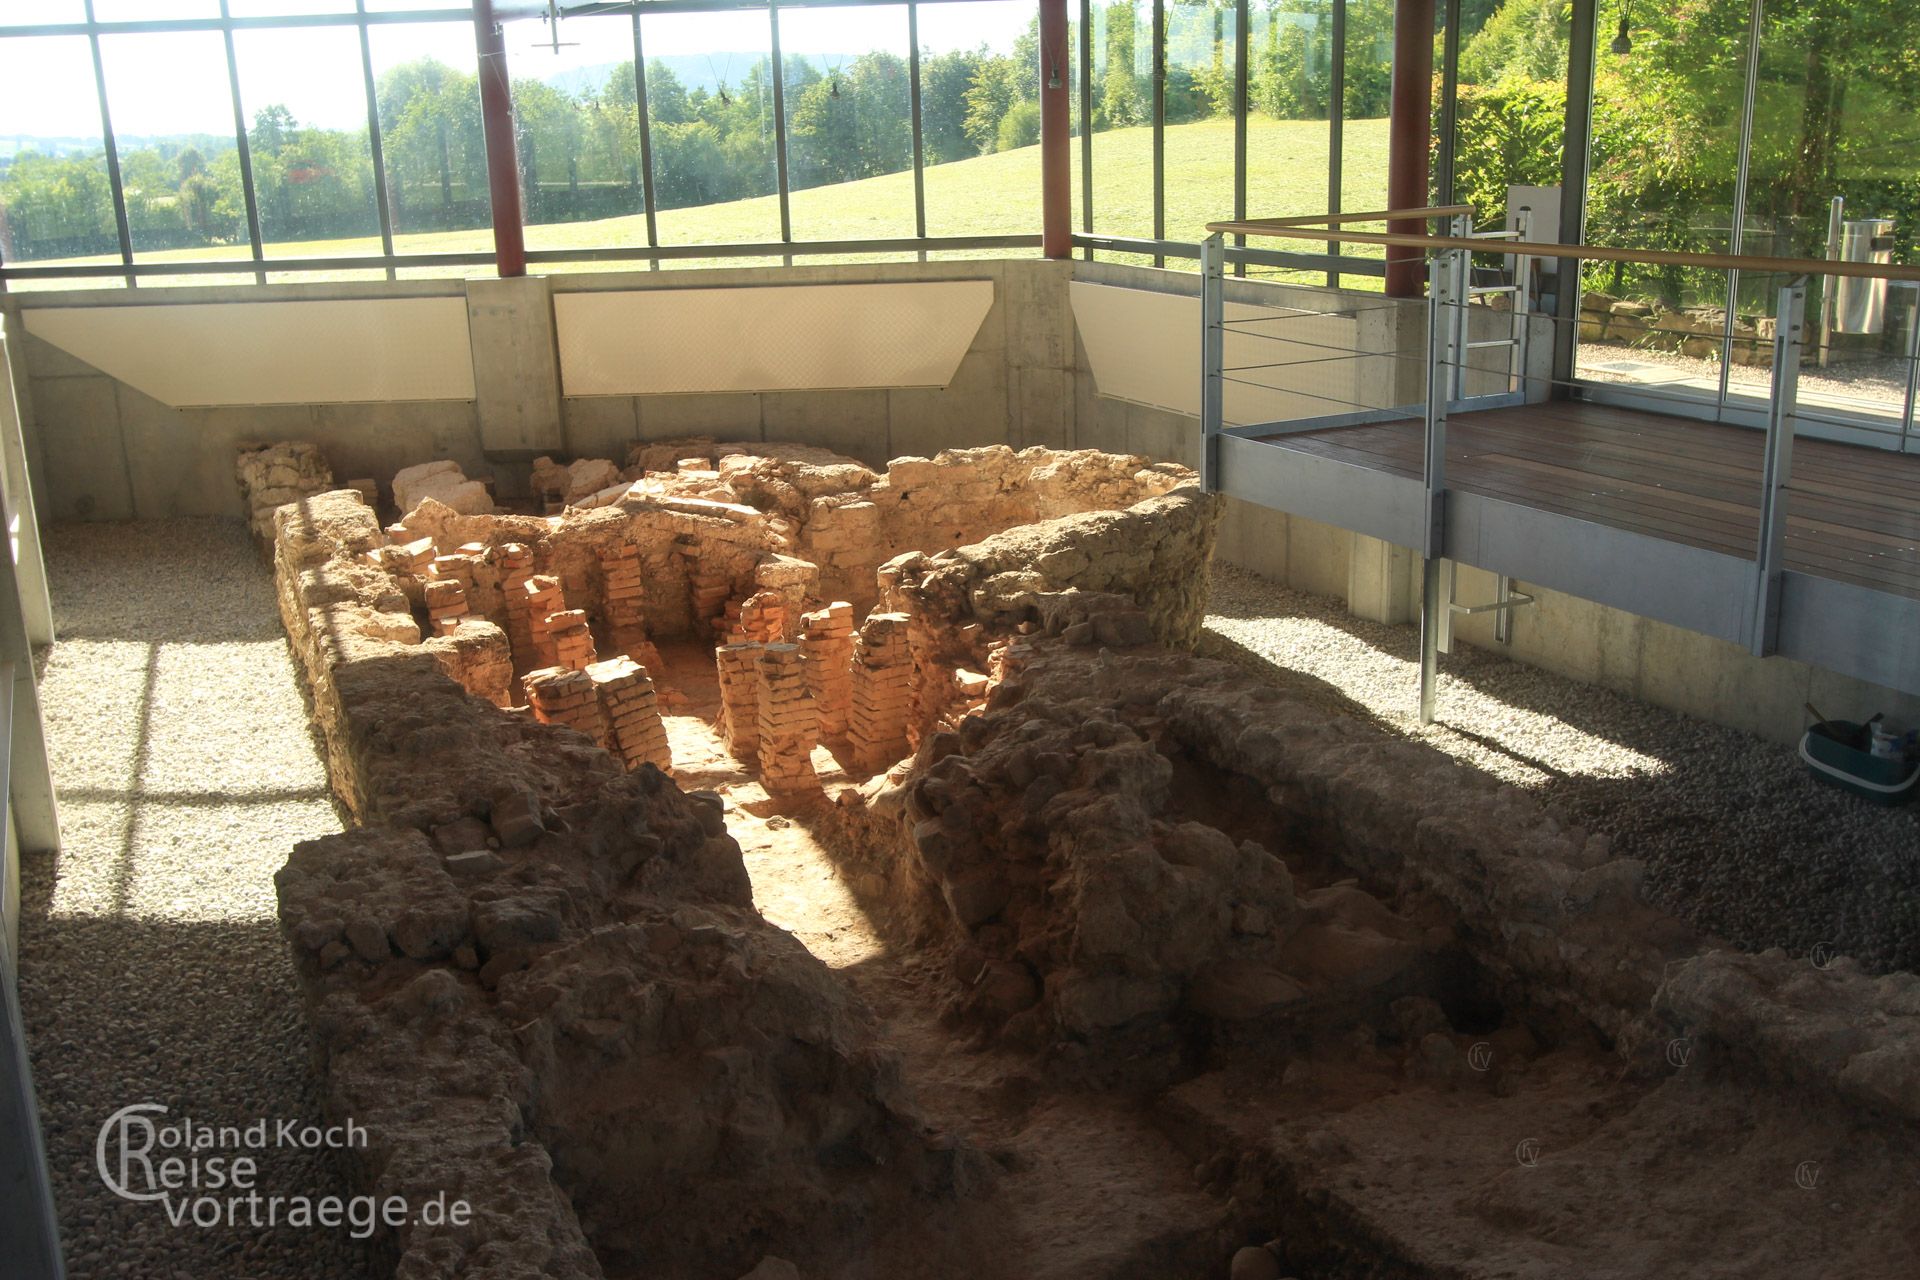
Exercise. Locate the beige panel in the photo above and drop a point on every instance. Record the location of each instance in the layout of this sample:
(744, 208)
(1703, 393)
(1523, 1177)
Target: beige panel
(273, 352)
(1144, 346)
(773, 338)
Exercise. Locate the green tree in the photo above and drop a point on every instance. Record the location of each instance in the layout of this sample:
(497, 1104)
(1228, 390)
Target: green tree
(1124, 98)
(945, 79)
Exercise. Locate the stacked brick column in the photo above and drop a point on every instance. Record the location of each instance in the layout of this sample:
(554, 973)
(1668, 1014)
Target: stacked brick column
(544, 599)
(572, 640)
(761, 619)
(514, 562)
(560, 696)
(710, 588)
(789, 722)
(632, 711)
(739, 697)
(409, 559)
(446, 604)
(882, 691)
(626, 623)
(826, 640)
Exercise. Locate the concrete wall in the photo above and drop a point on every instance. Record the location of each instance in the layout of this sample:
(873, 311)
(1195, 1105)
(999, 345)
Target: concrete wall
(103, 450)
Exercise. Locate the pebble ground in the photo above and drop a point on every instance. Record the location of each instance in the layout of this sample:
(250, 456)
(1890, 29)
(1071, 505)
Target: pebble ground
(1737, 837)
(151, 967)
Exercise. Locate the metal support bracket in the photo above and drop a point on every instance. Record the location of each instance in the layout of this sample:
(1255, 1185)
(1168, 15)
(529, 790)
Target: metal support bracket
(1213, 285)
(1777, 469)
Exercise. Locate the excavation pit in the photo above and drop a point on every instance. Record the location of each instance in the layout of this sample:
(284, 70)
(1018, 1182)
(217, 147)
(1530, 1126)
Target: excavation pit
(759, 855)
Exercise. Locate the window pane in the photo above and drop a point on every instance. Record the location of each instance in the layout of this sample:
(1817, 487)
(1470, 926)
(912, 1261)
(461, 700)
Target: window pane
(1510, 119)
(1200, 93)
(1834, 115)
(710, 112)
(1367, 101)
(849, 126)
(1123, 119)
(980, 117)
(579, 133)
(431, 137)
(43, 13)
(55, 200)
(306, 108)
(148, 10)
(287, 8)
(173, 125)
(1666, 138)
(378, 6)
(1289, 140)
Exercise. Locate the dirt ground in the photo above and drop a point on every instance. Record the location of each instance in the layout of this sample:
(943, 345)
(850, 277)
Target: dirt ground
(1089, 1186)
(1471, 1152)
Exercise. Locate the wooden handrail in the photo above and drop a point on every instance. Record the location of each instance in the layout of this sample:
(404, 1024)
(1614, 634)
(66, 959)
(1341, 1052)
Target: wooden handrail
(1323, 228)
(1379, 215)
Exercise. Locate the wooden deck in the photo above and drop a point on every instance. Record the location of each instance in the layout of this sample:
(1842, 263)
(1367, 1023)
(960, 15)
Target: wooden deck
(1853, 513)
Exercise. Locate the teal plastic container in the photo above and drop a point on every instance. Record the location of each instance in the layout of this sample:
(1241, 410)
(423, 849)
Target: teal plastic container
(1828, 751)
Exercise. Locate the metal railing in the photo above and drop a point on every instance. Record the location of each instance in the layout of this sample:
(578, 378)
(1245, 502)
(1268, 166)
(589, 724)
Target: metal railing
(1447, 370)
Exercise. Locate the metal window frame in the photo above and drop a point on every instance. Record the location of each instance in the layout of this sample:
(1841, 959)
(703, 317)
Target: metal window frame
(391, 260)
(1159, 71)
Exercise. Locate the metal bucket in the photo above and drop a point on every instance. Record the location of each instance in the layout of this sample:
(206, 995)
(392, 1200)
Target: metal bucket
(1859, 304)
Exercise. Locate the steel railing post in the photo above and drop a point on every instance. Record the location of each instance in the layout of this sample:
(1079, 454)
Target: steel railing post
(1213, 308)
(1522, 301)
(1432, 606)
(1913, 372)
(1777, 467)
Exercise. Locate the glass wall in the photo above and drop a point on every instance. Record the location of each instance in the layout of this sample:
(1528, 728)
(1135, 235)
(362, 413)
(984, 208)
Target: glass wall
(639, 133)
(308, 144)
(56, 201)
(849, 123)
(715, 132)
(1833, 120)
(980, 115)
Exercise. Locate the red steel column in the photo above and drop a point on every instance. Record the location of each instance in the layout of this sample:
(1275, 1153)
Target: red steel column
(1056, 124)
(1410, 132)
(503, 156)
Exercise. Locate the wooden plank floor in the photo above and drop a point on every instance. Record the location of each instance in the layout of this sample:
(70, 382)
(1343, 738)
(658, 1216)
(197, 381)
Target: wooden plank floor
(1853, 513)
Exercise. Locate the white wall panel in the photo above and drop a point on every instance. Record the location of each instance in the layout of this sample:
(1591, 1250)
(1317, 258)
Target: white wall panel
(1144, 346)
(772, 338)
(245, 353)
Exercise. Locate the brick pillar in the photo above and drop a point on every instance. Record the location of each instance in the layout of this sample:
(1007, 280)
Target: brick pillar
(626, 621)
(826, 640)
(762, 619)
(446, 604)
(739, 697)
(514, 563)
(632, 711)
(789, 722)
(882, 691)
(572, 640)
(544, 599)
(560, 696)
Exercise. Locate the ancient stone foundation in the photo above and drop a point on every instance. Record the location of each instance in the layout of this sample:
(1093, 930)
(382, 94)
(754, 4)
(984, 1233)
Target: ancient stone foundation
(530, 919)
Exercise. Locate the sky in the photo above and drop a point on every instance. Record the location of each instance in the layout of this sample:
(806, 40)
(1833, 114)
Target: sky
(176, 82)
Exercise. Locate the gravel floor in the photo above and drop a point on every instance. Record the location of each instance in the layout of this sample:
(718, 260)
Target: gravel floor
(1736, 836)
(151, 966)
(1880, 382)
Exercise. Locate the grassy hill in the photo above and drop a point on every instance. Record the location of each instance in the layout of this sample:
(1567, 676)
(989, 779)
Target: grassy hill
(987, 195)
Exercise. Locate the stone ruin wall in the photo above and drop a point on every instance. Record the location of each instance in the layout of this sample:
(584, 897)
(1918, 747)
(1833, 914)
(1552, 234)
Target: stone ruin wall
(510, 870)
(1049, 849)
(1038, 840)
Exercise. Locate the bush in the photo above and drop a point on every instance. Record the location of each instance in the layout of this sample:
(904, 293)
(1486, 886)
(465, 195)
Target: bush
(1020, 127)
